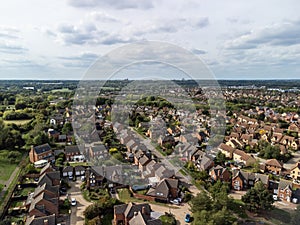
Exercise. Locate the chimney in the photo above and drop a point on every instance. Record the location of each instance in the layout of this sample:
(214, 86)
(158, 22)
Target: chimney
(45, 222)
(135, 214)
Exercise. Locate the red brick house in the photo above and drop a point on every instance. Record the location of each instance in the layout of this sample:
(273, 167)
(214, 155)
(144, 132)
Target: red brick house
(285, 190)
(41, 152)
(132, 213)
(220, 173)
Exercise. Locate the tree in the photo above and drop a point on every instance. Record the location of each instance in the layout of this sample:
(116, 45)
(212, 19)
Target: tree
(220, 158)
(258, 198)
(212, 208)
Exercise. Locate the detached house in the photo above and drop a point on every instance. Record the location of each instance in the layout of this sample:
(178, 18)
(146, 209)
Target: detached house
(285, 190)
(165, 190)
(220, 173)
(274, 166)
(41, 152)
(134, 214)
(295, 171)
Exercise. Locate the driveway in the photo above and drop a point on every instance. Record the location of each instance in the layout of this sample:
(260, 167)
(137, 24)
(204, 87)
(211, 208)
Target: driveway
(77, 217)
(179, 212)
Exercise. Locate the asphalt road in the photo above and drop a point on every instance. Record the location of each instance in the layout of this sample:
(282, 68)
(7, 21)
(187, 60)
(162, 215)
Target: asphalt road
(77, 217)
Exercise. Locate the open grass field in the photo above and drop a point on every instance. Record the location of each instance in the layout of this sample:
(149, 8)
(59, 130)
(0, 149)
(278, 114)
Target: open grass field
(6, 165)
(17, 122)
(61, 90)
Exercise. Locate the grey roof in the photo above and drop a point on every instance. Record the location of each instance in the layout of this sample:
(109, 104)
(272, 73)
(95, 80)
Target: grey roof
(42, 148)
(72, 149)
(284, 184)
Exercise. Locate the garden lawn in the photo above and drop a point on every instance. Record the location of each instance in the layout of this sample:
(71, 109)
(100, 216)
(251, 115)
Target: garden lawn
(6, 167)
(17, 122)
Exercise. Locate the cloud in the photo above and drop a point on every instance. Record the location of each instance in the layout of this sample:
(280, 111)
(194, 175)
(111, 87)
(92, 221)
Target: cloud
(202, 22)
(116, 4)
(103, 17)
(12, 49)
(198, 51)
(82, 60)
(8, 32)
(284, 34)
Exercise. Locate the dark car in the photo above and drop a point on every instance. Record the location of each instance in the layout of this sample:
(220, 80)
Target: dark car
(63, 190)
(187, 218)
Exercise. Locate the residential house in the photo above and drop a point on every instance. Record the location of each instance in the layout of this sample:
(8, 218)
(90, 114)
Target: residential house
(71, 152)
(289, 142)
(274, 166)
(226, 150)
(205, 163)
(220, 173)
(41, 152)
(98, 151)
(134, 214)
(295, 171)
(165, 190)
(68, 171)
(242, 157)
(79, 170)
(285, 190)
(243, 180)
(44, 220)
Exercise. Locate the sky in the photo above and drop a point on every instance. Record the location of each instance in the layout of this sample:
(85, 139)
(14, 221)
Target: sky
(61, 39)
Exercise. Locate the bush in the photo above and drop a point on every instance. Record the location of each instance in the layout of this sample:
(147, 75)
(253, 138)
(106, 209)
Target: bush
(168, 219)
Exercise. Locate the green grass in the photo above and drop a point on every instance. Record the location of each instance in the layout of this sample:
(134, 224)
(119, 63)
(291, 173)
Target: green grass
(61, 90)
(1, 187)
(238, 207)
(279, 216)
(183, 172)
(125, 195)
(17, 122)
(6, 166)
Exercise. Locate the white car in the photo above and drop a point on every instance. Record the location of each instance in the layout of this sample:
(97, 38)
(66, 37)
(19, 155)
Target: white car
(275, 197)
(73, 201)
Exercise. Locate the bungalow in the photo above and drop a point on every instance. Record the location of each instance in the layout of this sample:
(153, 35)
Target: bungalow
(41, 152)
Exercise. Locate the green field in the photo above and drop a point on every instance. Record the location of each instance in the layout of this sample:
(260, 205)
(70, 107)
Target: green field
(61, 90)
(17, 122)
(6, 164)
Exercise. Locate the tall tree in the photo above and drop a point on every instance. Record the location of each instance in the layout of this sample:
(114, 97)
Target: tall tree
(258, 198)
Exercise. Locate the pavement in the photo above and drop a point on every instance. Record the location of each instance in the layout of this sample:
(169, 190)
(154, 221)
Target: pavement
(179, 212)
(77, 217)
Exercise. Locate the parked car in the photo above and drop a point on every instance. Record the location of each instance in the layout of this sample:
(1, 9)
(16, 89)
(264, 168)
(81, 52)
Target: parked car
(63, 190)
(70, 177)
(73, 202)
(275, 197)
(187, 218)
(175, 202)
(82, 178)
